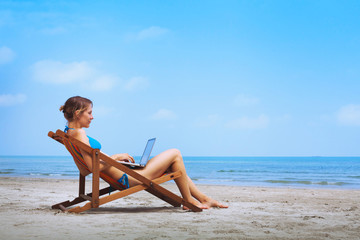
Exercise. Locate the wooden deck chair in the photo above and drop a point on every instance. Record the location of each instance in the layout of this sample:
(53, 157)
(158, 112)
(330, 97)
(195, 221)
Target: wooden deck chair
(93, 199)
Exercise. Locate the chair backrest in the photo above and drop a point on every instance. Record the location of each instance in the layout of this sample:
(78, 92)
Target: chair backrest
(83, 168)
(78, 158)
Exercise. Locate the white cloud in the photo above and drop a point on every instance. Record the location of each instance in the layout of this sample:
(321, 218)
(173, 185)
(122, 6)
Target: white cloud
(245, 100)
(136, 83)
(148, 33)
(164, 114)
(11, 99)
(349, 115)
(6, 55)
(249, 123)
(83, 73)
(49, 71)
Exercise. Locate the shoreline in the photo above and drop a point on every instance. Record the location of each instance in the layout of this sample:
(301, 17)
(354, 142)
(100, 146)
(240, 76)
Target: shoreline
(253, 213)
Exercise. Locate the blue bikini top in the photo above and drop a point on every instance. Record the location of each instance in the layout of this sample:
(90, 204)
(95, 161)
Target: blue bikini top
(93, 142)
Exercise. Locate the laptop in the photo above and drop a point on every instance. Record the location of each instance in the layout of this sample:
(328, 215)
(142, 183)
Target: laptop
(145, 157)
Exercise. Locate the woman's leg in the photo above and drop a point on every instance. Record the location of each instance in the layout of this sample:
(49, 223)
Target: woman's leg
(201, 197)
(169, 160)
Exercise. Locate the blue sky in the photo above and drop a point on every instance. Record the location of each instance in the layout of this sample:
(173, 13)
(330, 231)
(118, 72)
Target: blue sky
(212, 78)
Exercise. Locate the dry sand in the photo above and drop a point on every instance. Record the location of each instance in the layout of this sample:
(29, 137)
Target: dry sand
(254, 213)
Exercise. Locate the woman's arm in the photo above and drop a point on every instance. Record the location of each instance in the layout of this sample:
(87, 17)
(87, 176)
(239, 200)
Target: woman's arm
(123, 157)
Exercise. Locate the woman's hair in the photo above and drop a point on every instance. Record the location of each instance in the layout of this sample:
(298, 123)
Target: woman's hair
(74, 104)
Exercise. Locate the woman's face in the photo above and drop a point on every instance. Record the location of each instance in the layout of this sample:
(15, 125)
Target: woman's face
(86, 117)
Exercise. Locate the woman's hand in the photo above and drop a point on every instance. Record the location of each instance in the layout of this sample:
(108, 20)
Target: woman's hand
(123, 157)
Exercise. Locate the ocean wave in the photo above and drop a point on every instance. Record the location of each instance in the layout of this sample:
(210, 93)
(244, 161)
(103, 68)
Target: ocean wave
(6, 172)
(266, 171)
(243, 171)
(357, 177)
(322, 183)
(212, 180)
(52, 174)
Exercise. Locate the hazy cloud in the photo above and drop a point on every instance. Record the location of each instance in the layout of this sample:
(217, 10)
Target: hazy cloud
(249, 123)
(6, 55)
(208, 121)
(54, 31)
(11, 99)
(148, 33)
(6, 18)
(136, 83)
(245, 100)
(102, 111)
(151, 32)
(349, 115)
(49, 71)
(102, 83)
(164, 114)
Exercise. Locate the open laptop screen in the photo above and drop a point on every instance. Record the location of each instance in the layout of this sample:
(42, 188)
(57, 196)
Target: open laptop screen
(147, 151)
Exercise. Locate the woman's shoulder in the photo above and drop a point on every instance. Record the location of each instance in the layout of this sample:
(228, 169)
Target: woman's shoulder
(78, 133)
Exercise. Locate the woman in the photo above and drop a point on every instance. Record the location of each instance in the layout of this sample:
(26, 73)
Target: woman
(78, 112)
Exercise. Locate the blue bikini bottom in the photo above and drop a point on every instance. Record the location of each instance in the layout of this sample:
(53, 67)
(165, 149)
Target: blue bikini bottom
(124, 180)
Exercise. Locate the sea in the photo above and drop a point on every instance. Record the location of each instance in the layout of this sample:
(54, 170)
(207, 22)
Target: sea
(292, 172)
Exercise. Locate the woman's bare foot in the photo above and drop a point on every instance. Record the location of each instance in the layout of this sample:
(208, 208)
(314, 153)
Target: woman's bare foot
(213, 203)
(196, 203)
(208, 203)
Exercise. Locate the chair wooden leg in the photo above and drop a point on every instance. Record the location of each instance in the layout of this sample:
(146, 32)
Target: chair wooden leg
(81, 184)
(80, 199)
(95, 179)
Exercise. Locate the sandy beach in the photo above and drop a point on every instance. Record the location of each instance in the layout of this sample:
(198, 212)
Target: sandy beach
(253, 213)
